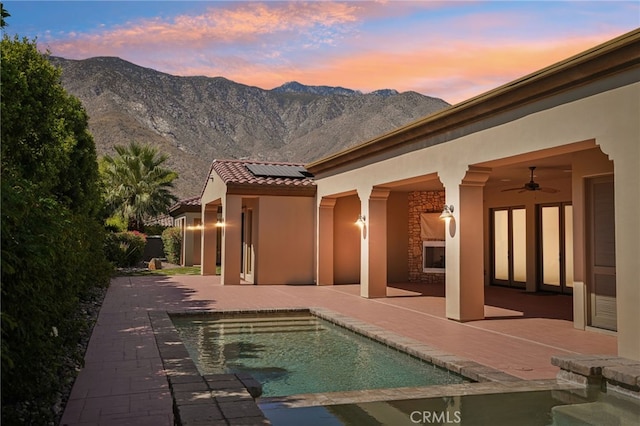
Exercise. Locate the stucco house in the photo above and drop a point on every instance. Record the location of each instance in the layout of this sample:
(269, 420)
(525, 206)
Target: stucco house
(537, 183)
(187, 216)
(260, 217)
(541, 178)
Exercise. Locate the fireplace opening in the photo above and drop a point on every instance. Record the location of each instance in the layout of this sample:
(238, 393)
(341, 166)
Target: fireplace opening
(433, 253)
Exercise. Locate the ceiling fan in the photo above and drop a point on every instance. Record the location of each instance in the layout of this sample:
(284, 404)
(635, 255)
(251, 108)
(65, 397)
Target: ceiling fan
(531, 185)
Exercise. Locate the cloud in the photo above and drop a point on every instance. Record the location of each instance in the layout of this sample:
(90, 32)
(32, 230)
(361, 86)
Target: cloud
(438, 49)
(455, 72)
(241, 24)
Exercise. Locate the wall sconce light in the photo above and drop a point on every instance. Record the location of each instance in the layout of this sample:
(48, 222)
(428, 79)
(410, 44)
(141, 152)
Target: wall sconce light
(447, 212)
(220, 222)
(362, 224)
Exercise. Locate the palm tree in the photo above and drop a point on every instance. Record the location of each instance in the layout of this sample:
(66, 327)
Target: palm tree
(136, 186)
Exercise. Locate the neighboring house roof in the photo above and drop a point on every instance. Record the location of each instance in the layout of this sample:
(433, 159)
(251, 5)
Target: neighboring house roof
(184, 206)
(253, 177)
(164, 220)
(616, 56)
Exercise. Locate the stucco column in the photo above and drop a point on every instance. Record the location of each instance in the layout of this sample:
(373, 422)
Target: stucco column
(209, 243)
(625, 155)
(325, 241)
(187, 242)
(231, 240)
(373, 283)
(465, 246)
(182, 223)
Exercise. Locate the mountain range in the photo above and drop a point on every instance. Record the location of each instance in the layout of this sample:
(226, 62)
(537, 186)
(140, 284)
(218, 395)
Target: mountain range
(195, 120)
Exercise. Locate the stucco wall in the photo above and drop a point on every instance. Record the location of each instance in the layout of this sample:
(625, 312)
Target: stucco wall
(397, 237)
(284, 247)
(346, 241)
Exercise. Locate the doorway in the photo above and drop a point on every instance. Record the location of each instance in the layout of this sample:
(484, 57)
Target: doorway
(247, 255)
(601, 252)
(555, 225)
(509, 247)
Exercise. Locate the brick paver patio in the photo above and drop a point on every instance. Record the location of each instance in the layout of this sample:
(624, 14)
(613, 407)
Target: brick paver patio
(123, 382)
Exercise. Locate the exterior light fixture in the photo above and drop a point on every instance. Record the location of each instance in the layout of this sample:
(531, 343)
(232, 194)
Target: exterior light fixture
(447, 212)
(361, 221)
(220, 220)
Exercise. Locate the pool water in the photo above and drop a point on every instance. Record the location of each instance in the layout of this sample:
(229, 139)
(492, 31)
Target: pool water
(301, 354)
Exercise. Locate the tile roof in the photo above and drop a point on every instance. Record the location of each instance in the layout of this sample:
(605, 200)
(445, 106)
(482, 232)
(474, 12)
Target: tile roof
(236, 172)
(187, 204)
(193, 201)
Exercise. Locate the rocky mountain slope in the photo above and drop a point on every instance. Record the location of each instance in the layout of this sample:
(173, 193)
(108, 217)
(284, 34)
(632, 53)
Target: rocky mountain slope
(198, 119)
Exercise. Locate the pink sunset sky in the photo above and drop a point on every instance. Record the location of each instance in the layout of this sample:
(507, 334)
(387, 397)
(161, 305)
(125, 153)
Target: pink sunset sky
(452, 50)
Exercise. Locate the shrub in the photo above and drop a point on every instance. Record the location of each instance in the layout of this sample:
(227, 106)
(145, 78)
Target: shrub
(125, 249)
(115, 224)
(45, 272)
(172, 240)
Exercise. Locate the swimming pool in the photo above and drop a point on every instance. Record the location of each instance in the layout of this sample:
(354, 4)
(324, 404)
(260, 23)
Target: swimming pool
(299, 353)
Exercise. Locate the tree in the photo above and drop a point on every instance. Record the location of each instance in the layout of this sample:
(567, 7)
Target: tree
(137, 187)
(3, 14)
(52, 235)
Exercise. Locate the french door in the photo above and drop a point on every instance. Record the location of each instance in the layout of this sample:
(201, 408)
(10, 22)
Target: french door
(509, 247)
(555, 227)
(248, 257)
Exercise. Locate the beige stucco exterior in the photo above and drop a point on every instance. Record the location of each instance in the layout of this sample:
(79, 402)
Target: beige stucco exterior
(190, 224)
(266, 234)
(583, 113)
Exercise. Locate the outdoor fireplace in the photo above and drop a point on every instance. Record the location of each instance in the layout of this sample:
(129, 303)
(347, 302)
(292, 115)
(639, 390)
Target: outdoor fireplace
(433, 256)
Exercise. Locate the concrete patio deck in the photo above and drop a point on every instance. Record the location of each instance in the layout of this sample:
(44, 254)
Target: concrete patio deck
(123, 382)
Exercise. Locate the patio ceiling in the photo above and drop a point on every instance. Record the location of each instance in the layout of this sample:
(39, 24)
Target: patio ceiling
(551, 166)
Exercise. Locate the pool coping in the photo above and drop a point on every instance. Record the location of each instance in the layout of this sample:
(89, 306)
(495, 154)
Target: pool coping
(225, 399)
(418, 392)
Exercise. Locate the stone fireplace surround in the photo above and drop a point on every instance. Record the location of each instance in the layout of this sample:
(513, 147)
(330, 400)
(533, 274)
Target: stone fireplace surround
(422, 202)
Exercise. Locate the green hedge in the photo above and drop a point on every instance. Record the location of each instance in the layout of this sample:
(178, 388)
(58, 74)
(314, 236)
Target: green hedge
(172, 240)
(125, 249)
(52, 233)
(51, 258)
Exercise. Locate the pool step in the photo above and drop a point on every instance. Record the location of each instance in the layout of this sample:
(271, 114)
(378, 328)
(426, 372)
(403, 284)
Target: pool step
(268, 330)
(278, 325)
(256, 320)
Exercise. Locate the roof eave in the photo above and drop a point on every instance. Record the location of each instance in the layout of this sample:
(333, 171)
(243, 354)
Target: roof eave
(273, 190)
(185, 209)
